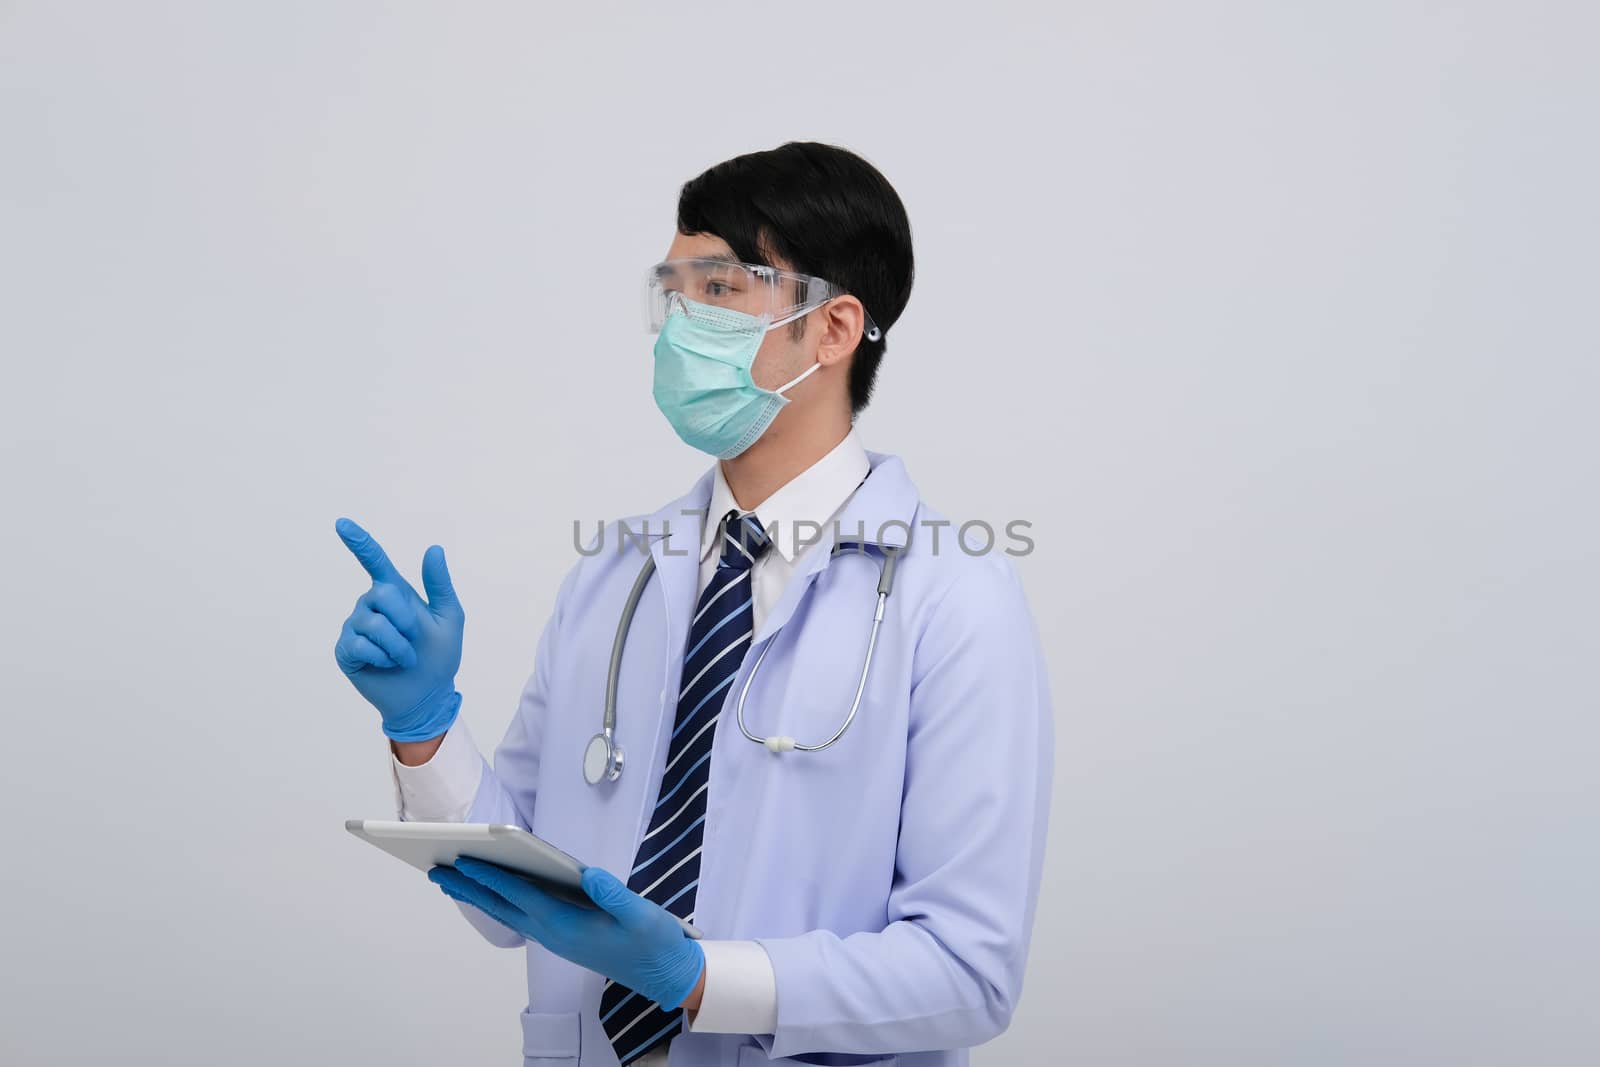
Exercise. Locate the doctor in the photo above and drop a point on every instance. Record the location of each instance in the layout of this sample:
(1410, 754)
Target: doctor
(831, 744)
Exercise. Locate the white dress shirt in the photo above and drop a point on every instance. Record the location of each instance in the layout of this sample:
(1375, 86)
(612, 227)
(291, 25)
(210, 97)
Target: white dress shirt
(740, 994)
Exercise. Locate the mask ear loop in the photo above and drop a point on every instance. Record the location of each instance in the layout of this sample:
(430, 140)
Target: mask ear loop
(780, 390)
(872, 333)
(792, 382)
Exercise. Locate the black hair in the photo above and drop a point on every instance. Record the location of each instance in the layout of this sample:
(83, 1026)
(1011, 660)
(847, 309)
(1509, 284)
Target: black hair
(823, 210)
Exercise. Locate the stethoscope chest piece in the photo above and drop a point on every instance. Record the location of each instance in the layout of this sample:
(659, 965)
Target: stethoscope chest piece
(602, 759)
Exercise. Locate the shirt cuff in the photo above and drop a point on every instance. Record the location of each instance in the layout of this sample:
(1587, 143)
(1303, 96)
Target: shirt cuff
(741, 991)
(442, 789)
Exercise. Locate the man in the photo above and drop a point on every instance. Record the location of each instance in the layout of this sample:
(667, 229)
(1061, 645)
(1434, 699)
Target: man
(856, 820)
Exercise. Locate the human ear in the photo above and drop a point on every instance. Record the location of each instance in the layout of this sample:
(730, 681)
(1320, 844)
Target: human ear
(843, 325)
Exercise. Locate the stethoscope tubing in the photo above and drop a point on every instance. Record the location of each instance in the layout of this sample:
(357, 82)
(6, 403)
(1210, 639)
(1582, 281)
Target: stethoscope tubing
(614, 668)
(612, 764)
(885, 584)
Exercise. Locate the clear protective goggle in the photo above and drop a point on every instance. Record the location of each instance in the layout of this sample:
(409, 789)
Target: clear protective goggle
(701, 285)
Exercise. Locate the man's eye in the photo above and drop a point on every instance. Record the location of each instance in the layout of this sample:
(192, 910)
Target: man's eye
(719, 288)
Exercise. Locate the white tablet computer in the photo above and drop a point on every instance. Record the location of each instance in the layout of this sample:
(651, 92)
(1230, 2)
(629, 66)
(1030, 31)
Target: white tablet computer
(428, 844)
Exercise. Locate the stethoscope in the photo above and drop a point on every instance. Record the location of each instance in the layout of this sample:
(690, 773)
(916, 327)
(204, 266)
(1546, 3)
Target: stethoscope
(602, 756)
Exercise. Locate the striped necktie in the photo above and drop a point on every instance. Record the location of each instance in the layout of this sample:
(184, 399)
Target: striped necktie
(666, 867)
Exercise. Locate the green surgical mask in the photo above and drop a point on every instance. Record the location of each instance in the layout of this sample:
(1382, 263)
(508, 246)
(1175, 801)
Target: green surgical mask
(703, 357)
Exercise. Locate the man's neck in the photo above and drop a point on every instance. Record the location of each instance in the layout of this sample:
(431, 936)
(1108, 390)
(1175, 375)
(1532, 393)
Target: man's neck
(778, 457)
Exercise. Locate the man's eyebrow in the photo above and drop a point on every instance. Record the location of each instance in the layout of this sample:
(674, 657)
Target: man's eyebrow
(720, 257)
(666, 268)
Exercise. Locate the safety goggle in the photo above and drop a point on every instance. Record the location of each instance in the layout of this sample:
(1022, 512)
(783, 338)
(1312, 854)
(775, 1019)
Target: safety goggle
(703, 285)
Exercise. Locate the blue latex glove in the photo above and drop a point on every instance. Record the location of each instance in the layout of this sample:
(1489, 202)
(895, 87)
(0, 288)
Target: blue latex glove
(399, 651)
(631, 940)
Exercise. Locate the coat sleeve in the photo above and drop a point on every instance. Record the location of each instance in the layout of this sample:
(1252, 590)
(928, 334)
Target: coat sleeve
(946, 971)
(507, 790)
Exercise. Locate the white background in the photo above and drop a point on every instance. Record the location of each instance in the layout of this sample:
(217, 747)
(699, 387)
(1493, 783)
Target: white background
(1276, 320)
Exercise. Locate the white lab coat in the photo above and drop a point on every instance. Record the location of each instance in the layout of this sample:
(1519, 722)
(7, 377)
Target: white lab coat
(892, 877)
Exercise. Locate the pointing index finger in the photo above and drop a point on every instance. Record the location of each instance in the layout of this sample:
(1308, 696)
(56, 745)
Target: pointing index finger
(368, 552)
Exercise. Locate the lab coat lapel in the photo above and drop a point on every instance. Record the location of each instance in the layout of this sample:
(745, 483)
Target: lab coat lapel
(881, 510)
(674, 533)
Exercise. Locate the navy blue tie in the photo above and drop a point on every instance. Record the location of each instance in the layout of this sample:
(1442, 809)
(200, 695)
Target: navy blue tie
(666, 867)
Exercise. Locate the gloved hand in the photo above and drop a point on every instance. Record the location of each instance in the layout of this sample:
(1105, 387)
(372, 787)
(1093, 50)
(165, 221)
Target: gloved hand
(632, 941)
(399, 651)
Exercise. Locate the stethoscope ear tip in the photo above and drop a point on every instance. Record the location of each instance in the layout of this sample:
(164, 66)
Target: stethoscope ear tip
(779, 744)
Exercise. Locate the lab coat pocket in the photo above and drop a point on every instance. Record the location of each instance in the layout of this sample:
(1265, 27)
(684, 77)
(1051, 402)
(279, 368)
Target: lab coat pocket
(756, 1056)
(549, 1038)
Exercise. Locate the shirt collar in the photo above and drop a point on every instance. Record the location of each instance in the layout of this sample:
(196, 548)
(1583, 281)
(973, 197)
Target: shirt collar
(811, 497)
